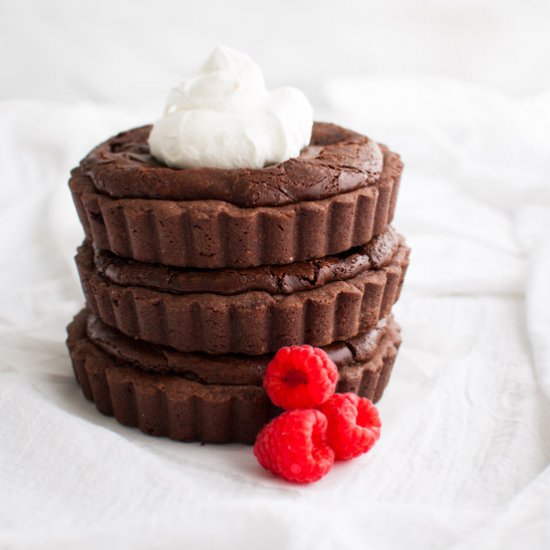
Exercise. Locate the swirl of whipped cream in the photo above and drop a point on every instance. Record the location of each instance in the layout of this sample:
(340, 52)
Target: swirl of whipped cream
(224, 117)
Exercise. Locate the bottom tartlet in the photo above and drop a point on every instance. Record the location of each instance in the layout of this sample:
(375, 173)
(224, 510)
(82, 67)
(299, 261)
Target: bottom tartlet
(168, 393)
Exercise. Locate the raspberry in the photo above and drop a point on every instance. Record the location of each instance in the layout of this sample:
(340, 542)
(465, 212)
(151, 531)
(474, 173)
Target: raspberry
(300, 377)
(353, 424)
(294, 446)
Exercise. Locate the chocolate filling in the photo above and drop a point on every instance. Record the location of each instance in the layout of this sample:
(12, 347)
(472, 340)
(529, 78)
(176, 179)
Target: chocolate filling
(219, 369)
(336, 161)
(285, 279)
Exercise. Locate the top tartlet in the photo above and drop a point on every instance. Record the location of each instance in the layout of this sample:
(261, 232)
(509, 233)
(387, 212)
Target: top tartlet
(340, 192)
(336, 161)
(234, 175)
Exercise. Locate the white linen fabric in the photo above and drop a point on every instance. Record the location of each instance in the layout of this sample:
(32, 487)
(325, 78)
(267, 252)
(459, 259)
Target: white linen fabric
(463, 461)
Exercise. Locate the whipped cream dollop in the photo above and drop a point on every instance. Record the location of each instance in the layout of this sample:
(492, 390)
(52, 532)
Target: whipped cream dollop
(224, 117)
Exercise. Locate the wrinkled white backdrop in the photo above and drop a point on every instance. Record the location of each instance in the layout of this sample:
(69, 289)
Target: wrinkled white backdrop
(462, 90)
(126, 51)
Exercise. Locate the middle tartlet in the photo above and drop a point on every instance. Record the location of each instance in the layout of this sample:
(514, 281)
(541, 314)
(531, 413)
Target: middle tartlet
(252, 310)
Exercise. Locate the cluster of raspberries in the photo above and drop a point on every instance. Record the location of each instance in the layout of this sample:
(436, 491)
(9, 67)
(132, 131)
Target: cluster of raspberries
(318, 426)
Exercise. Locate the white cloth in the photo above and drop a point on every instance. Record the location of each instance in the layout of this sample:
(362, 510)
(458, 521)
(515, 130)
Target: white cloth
(463, 458)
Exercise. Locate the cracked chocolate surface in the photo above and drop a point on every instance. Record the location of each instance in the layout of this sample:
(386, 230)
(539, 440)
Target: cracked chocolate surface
(285, 279)
(336, 161)
(229, 369)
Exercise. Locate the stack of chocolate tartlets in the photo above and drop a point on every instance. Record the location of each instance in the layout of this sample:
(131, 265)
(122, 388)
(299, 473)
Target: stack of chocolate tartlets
(194, 278)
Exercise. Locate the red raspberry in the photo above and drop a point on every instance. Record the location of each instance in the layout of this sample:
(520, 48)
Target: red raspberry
(300, 377)
(294, 446)
(353, 424)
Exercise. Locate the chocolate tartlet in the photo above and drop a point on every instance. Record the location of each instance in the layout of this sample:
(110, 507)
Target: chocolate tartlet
(339, 193)
(195, 277)
(181, 396)
(251, 322)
